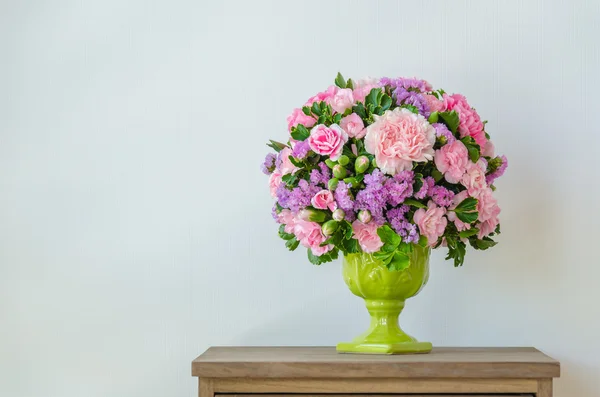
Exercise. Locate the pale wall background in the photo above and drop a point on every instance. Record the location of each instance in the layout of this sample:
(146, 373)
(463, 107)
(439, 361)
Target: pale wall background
(135, 226)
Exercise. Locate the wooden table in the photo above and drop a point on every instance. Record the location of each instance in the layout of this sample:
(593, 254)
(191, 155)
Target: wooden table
(320, 371)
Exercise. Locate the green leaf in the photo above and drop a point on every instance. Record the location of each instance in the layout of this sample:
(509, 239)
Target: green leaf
(322, 119)
(316, 109)
(385, 257)
(306, 110)
(472, 147)
(351, 246)
(327, 257)
(386, 102)
(468, 233)
(347, 226)
(289, 179)
(418, 182)
(292, 244)
(277, 146)
(340, 81)
(450, 119)
(390, 239)
(297, 163)
(437, 175)
(466, 211)
(284, 235)
(337, 118)
(300, 133)
(373, 97)
(360, 110)
(400, 261)
(433, 117)
(412, 108)
(414, 203)
(423, 241)
(350, 84)
(482, 244)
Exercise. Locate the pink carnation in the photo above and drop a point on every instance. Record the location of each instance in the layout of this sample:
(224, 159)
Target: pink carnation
(324, 96)
(285, 166)
(353, 125)
(488, 211)
(452, 160)
(287, 218)
(431, 222)
(488, 150)
(328, 141)
(310, 235)
(298, 117)
(470, 123)
(363, 87)
(474, 178)
(398, 138)
(324, 200)
(434, 104)
(342, 100)
(458, 198)
(274, 182)
(367, 236)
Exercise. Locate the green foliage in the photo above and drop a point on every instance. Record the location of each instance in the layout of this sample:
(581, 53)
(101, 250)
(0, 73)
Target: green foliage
(277, 146)
(360, 110)
(482, 244)
(327, 257)
(423, 241)
(292, 244)
(456, 250)
(466, 211)
(468, 233)
(306, 110)
(284, 235)
(350, 84)
(300, 132)
(437, 175)
(393, 253)
(472, 147)
(297, 163)
(289, 179)
(386, 102)
(316, 109)
(418, 182)
(433, 117)
(340, 81)
(414, 203)
(412, 108)
(450, 119)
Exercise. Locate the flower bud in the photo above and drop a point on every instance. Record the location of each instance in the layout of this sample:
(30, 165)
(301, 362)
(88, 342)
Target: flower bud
(339, 171)
(374, 163)
(361, 164)
(339, 214)
(364, 216)
(330, 163)
(312, 215)
(433, 117)
(352, 181)
(329, 227)
(332, 184)
(343, 160)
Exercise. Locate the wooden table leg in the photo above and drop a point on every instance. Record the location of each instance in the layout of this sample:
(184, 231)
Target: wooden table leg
(544, 388)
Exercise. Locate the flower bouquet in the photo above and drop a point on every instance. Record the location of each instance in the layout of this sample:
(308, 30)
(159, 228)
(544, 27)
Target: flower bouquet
(382, 171)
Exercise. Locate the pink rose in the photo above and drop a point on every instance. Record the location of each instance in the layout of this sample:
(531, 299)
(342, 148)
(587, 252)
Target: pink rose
(488, 210)
(367, 236)
(470, 123)
(327, 141)
(310, 235)
(452, 160)
(324, 96)
(324, 200)
(474, 178)
(353, 125)
(342, 100)
(274, 182)
(398, 138)
(298, 117)
(431, 222)
(488, 150)
(287, 218)
(284, 164)
(458, 198)
(363, 87)
(434, 104)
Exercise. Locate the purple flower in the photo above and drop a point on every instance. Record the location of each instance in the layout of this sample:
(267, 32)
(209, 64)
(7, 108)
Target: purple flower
(297, 198)
(268, 166)
(428, 183)
(400, 187)
(406, 230)
(344, 201)
(374, 196)
(406, 97)
(301, 149)
(442, 130)
(274, 213)
(320, 177)
(407, 83)
(499, 171)
(441, 196)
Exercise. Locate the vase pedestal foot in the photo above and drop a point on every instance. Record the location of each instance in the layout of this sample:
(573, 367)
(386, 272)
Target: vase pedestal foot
(384, 348)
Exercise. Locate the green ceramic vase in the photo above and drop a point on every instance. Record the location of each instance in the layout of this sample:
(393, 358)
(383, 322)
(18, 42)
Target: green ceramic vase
(385, 292)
